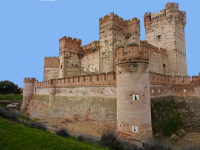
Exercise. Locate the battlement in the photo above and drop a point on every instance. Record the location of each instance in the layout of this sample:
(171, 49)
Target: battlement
(91, 45)
(87, 80)
(50, 57)
(153, 48)
(158, 14)
(51, 61)
(113, 18)
(65, 42)
(156, 78)
(172, 5)
(29, 80)
(70, 38)
(132, 53)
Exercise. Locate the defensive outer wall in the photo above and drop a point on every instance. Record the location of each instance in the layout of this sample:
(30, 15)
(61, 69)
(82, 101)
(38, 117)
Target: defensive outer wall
(119, 100)
(114, 81)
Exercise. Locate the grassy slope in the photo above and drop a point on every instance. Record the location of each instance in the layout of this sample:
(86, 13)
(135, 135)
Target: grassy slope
(11, 97)
(14, 136)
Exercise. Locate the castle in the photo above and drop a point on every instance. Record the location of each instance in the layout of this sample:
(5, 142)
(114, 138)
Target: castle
(111, 81)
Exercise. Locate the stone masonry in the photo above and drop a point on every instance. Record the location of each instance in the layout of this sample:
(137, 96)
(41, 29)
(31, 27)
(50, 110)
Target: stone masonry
(111, 81)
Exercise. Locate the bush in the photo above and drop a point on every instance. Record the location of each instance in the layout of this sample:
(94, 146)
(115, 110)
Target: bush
(129, 146)
(8, 114)
(109, 139)
(22, 122)
(25, 117)
(160, 144)
(38, 125)
(63, 133)
(80, 138)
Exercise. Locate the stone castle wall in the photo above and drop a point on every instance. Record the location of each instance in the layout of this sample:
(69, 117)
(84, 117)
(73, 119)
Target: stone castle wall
(111, 81)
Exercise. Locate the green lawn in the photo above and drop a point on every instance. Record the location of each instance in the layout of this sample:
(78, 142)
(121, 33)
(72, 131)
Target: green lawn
(11, 97)
(14, 136)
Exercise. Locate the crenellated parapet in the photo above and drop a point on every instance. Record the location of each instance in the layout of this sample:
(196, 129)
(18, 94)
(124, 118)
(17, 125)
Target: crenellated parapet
(51, 61)
(29, 80)
(171, 11)
(116, 20)
(158, 15)
(68, 42)
(161, 79)
(153, 48)
(82, 80)
(132, 53)
(90, 45)
(147, 20)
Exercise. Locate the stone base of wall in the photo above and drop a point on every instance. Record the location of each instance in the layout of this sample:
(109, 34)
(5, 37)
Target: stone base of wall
(175, 112)
(189, 109)
(102, 110)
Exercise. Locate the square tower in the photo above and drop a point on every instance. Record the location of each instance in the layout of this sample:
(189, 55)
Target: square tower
(113, 32)
(166, 29)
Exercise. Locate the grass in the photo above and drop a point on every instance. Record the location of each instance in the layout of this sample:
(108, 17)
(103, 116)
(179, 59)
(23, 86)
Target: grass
(3, 105)
(11, 97)
(14, 136)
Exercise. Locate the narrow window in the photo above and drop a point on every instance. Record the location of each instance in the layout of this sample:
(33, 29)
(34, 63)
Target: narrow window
(60, 66)
(159, 37)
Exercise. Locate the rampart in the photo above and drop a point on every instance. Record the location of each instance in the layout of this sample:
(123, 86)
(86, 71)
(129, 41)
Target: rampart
(88, 80)
(163, 85)
(90, 46)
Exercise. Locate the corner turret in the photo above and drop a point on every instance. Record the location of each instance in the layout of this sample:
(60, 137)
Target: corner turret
(28, 92)
(133, 92)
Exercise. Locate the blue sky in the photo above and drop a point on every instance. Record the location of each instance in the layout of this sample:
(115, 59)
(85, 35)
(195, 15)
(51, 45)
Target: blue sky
(30, 30)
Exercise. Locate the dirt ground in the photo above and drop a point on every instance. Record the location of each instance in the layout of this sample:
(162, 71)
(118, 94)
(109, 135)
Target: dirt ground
(76, 126)
(93, 129)
(192, 138)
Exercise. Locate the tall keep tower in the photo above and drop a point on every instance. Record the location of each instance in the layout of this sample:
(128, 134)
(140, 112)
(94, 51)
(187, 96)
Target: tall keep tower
(115, 31)
(166, 29)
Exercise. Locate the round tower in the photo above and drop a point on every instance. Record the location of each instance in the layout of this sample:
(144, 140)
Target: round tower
(133, 92)
(28, 91)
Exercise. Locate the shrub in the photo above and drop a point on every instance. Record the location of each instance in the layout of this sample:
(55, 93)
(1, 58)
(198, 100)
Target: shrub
(22, 122)
(129, 146)
(38, 125)
(109, 139)
(24, 117)
(80, 138)
(160, 144)
(63, 133)
(8, 114)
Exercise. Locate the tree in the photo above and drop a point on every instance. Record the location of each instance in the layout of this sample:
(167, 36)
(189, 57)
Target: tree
(7, 87)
